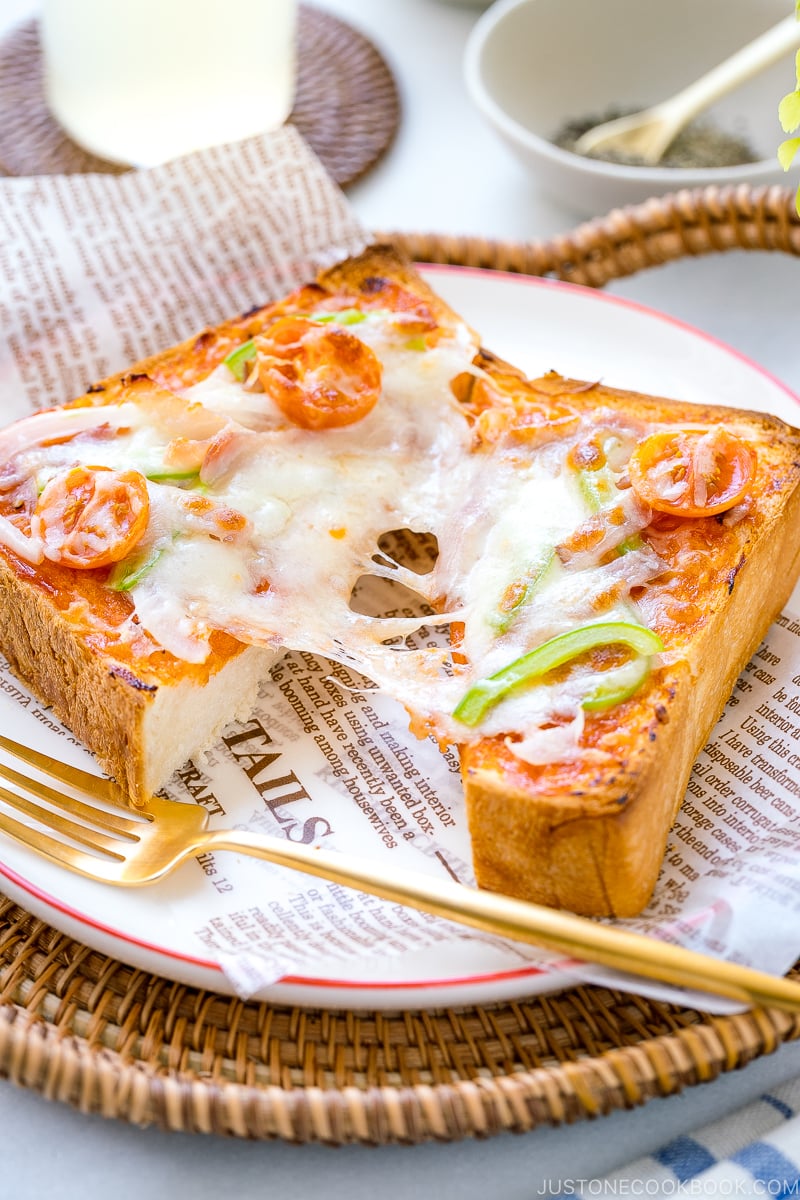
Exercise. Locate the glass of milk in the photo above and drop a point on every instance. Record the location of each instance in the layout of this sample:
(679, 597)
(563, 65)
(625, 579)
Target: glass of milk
(143, 81)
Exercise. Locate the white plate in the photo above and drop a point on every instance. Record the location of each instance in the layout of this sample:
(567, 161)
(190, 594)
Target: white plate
(538, 325)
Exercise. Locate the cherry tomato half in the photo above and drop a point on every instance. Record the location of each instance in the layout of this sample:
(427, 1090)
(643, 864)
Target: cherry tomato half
(91, 516)
(692, 473)
(320, 376)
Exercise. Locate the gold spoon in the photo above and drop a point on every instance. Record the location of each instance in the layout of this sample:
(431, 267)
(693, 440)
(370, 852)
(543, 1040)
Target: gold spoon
(647, 135)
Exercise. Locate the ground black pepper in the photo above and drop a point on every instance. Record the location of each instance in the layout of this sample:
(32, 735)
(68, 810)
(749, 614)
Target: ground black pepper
(700, 144)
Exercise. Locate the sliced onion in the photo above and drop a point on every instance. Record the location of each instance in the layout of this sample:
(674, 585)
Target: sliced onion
(555, 744)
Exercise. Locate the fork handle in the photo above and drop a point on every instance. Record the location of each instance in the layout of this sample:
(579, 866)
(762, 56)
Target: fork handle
(520, 921)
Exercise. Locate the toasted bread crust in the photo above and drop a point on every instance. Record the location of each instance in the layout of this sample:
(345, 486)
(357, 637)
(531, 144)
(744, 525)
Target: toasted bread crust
(102, 706)
(193, 359)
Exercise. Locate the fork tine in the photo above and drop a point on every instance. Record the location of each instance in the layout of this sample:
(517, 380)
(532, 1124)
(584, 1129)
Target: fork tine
(60, 824)
(95, 785)
(101, 818)
(59, 853)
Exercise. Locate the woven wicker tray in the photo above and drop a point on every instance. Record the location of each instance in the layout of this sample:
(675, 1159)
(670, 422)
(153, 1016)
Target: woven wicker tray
(84, 1029)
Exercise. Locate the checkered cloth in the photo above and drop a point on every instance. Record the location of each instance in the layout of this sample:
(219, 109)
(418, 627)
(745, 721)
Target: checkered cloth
(752, 1152)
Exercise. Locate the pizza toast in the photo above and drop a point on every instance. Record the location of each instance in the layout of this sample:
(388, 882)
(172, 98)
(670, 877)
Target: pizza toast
(607, 562)
(66, 633)
(589, 833)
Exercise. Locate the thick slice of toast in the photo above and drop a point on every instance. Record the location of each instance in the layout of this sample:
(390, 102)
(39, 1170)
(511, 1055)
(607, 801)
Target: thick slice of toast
(141, 709)
(279, 448)
(590, 834)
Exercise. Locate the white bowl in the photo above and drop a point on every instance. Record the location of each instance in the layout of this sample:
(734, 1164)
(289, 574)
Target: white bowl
(532, 65)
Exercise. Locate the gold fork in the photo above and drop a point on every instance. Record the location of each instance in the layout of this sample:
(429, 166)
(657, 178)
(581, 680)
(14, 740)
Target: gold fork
(130, 847)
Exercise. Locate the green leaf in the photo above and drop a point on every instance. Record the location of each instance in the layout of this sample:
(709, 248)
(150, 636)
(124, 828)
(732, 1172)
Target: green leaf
(787, 151)
(789, 112)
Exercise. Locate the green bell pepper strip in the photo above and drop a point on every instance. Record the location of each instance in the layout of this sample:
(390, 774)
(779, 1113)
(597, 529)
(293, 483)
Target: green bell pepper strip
(347, 316)
(164, 475)
(130, 571)
(618, 684)
(502, 619)
(235, 361)
(554, 653)
(598, 488)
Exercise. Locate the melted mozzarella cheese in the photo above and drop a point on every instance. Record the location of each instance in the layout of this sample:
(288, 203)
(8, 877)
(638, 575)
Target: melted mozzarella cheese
(269, 543)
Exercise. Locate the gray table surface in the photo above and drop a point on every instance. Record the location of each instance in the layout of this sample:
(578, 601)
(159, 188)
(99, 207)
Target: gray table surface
(746, 300)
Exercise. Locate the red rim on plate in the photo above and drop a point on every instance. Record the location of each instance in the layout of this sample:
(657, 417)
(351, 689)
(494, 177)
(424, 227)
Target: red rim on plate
(469, 985)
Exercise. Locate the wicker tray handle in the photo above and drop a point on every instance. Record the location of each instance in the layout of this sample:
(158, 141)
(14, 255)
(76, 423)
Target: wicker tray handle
(688, 223)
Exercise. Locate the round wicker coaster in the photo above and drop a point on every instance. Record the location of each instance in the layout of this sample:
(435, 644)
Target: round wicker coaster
(346, 104)
(81, 1028)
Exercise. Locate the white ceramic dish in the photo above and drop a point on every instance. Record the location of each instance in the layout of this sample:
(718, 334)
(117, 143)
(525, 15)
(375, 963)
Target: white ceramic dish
(532, 65)
(531, 322)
